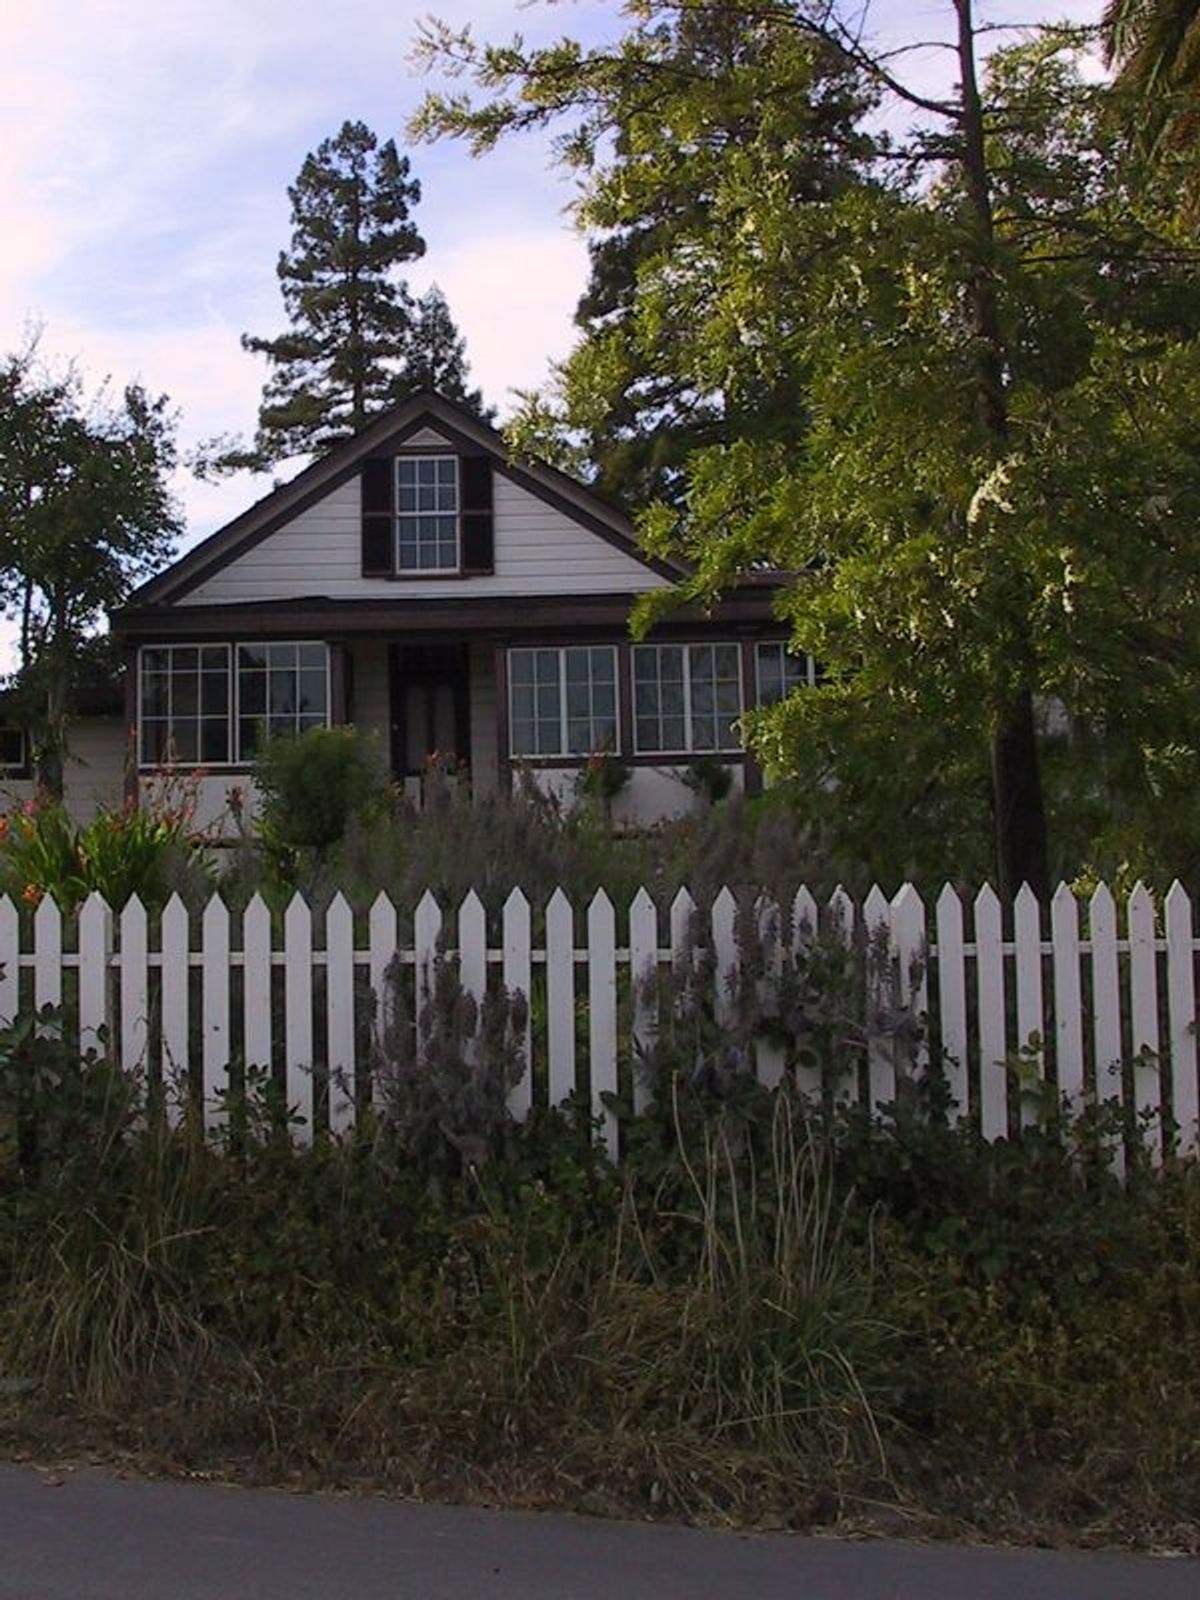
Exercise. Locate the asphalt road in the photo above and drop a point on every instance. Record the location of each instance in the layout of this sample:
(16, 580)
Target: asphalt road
(87, 1536)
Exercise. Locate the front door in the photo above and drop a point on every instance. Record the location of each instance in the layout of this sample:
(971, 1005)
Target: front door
(431, 720)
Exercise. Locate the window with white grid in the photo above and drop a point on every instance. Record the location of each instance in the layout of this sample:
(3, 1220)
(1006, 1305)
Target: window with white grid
(686, 697)
(427, 514)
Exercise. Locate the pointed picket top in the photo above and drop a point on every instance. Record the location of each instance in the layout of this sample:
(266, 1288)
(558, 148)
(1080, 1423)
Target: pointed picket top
(7, 907)
(516, 903)
(472, 946)
(804, 915)
(47, 921)
(724, 919)
(338, 907)
(297, 914)
(1062, 899)
(1027, 909)
(683, 910)
(682, 906)
(1176, 902)
(600, 910)
(559, 903)
(471, 907)
(256, 909)
(876, 909)
(1102, 908)
(947, 901)
(214, 912)
(908, 919)
(987, 903)
(133, 913)
(768, 918)
(174, 905)
(94, 914)
(642, 906)
(841, 914)
(1141, 909)
(339, 916)
(382, 912)
(427, 921)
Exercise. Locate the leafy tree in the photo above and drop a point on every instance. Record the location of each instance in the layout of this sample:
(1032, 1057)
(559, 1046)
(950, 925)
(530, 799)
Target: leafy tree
(86, 513)
(351, 315)
(1155, 45)
(437, 354)
(989, 502)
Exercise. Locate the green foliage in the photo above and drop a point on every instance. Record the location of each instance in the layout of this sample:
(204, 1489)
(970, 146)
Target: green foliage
(604, 776)
(312, 785)
(436, 356)
(959, 372)
(86, 513)
(119, 854)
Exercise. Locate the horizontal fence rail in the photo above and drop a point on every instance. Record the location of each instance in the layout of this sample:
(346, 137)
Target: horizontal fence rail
(1020, 1012)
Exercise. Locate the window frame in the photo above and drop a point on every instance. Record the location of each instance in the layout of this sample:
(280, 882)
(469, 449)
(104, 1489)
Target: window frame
(687, 646)
(233, 706)
(810, 669)
(564, 756)
(415, 459)
(171, 646)
(15, 769)
(235, 742)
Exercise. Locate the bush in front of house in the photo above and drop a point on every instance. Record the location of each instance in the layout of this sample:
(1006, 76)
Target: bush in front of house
(311, 786)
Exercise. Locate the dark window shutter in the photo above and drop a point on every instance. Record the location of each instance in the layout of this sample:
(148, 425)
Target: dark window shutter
(478, 543)
(378, 489)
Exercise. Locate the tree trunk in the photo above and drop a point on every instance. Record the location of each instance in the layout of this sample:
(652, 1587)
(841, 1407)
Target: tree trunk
(1017, 801)
(1020, 818)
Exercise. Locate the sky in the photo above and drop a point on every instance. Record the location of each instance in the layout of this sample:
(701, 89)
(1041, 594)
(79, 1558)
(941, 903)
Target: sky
(145, 151)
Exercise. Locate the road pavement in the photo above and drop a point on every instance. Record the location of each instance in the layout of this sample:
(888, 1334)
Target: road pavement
(89, 1536)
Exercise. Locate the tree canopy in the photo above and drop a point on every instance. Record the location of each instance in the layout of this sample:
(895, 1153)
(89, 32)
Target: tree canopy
(86, 513)
(970, 361)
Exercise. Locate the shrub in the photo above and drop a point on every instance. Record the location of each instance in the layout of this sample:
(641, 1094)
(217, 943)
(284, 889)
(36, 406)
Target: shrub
(312, 784)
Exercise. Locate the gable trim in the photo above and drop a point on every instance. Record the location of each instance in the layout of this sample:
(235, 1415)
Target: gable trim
(249, 529)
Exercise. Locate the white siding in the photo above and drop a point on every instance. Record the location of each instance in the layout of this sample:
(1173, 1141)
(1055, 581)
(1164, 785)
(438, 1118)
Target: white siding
(653, 794)
(93, 774)
(539, 550)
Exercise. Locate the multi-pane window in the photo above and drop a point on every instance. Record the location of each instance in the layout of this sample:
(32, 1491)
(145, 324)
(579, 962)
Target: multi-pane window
(563, 702)
(184, 701)
(779, 672)
(12, 747)
(281, 688)
(426, 514)
(686, 697)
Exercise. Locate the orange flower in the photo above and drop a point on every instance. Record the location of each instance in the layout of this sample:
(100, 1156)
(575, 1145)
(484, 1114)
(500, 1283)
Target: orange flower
(3, 828)
(31, 894)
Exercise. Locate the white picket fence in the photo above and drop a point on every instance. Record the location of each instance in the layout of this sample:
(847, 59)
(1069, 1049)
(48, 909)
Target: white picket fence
(1105, 1005)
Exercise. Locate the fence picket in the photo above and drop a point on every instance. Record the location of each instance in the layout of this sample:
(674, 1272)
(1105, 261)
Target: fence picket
(952, 1001)
(907, 913)
(297, 1013)
(1106, 1002)
(518, 979)
(1181, 1011)
(989, 989)
(770, 1057)
(10, 961)
(1143, 1013)
(47, 954)
(1031, 1009)
(602, 1013)
(643, 983)
(174, 941)
(256, 983)
(214, 1012)
(841, 915)
(472, 948)
(881, 1059)
(427, 930)
(339, 979)
(95, 952)
(382, 941)
(725, 955)
(560, 996)
(135, 986)
(1068, 999)
(804, 931)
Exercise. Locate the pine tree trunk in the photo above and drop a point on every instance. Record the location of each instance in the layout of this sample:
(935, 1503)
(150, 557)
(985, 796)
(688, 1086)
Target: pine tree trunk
(1017, 801)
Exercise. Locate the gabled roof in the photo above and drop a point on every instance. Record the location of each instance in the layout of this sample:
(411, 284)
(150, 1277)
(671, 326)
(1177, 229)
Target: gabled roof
(460, 427)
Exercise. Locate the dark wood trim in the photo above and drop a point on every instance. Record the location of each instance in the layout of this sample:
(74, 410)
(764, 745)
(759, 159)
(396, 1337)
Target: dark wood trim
(752, 781)
(503, 758)
(314, 617)
(339, 698)
(642, 758)
(625, 699)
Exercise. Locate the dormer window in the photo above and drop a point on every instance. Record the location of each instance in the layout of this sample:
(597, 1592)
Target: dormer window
(427, 514)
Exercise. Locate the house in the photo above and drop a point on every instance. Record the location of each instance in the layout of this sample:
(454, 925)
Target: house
(418, 583)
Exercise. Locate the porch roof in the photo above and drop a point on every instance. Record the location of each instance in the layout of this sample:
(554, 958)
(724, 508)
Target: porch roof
(479, 614)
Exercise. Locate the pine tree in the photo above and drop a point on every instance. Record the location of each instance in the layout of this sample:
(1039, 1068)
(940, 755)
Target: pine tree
(437, 355)
(351, 315)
